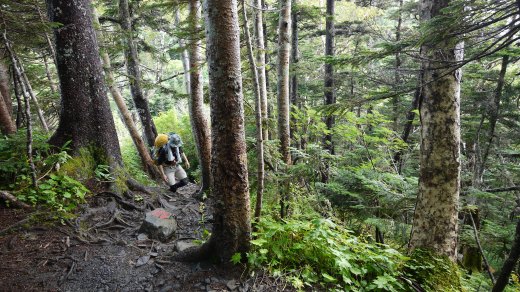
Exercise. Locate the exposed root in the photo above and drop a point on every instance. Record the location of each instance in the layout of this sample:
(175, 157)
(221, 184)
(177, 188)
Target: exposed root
(196, 253)
(13, 200)
(135, 186)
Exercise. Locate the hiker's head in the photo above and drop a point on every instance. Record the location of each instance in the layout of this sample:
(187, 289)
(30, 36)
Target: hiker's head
(175, 140)
(161, 140)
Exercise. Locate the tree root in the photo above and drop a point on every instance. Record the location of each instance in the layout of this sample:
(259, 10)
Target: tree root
(195, 254)
(17, 224)
(13, 200)
(135, 186)
(124, 203)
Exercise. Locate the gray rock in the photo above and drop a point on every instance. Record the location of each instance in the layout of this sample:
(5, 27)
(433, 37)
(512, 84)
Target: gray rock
(159, 224)
(232, 285)
(142, 261)
(182, 245)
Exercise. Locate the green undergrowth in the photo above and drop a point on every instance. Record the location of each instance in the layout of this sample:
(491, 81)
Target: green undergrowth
(317, 253)
(320, 253)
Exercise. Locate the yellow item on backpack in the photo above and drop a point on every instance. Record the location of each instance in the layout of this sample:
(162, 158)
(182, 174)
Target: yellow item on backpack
(161, 140)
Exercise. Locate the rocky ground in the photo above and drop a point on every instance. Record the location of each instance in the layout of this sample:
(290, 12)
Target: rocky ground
(105, 249)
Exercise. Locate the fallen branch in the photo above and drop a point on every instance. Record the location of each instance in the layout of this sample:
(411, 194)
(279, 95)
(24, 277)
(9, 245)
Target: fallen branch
(13, 200)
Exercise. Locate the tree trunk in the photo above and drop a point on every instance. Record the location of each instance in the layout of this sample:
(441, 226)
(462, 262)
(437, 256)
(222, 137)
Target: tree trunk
(230, 186)
(85, 119)
(493, 114)
(6, 122)
(435, 219)
(258, 20)
(134, 74)
(185, 57)
(284, 54)
(24, 81)
(199, 121)
(330, 97)
(140, 145)
(258, 116)
(19, 110)
(7, 125)
(395, 99)
(509, 264)
(294, 77)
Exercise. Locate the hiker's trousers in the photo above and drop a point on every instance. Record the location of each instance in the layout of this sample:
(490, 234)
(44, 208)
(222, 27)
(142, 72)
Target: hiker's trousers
(174, 173)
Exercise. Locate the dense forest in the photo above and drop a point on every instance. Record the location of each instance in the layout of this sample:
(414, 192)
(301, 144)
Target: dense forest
(328, 145)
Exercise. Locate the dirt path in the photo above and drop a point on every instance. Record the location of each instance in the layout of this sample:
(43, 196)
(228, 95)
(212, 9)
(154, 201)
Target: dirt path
(103, 250)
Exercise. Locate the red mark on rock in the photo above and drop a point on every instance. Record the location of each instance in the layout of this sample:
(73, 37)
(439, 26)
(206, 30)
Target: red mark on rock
(161, 214)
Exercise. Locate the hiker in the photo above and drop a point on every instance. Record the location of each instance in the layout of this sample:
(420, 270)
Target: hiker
(168, 154)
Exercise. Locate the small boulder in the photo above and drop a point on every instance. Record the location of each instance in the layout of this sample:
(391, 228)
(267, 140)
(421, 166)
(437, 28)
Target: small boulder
(182, 245)
(159, 224)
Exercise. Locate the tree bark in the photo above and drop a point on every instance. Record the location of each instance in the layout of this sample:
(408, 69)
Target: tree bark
(140, 145)
(230, 186)
(284, 54)
(435, 219)
(258, 19)
(185, 56)
(19, 110)
(258, 116)
(134, 74)
(4, 87)
(6, 122)
(395, 99)
(85, 119)
(199, 121)
(294, 77)
(330, 97)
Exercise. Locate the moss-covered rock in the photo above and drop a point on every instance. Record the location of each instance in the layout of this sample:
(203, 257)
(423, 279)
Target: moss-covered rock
(432, 272)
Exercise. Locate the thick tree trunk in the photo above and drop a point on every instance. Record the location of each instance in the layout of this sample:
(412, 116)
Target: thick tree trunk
(258, 20)
(230, 186)
(4, 88)
(85, 117)
(199, 121)
(258, 116)
(134, 74)
(140, 145)
(7, 125)
(330, 97)
(509, 264)
(435, 220)
(284, 54)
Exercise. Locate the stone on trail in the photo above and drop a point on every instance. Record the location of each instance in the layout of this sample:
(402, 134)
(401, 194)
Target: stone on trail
(184, 244)
(159, 224)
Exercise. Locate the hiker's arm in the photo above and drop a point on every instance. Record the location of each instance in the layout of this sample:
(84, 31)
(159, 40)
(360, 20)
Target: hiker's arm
(185, 159)
(165, 178)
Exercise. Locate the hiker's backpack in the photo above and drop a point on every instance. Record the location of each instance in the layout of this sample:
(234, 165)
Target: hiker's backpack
(167, 148)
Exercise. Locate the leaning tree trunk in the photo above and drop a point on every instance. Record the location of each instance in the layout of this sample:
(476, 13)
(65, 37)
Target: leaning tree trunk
(199, 122)
(134, 74)
(140, 145)
(85, 119)
(435, 220)
(230, 186)
(258, 116)
(330, 97)
(260, 61)
(509, 264)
